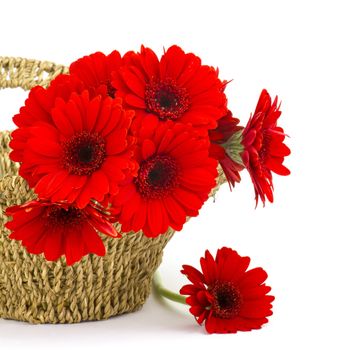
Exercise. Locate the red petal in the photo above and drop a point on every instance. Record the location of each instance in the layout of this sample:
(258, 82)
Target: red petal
(203, 316)
(92, 113)
(54, 244)
(253, 278)
(148, 149)
(193, 274)
(189, 289)
(36, 244)
(255, 292)
(218, 325)
(93, 242)
(75, 116)
(195, 310)
(134, 82)
(148, 126)
(172, 62)
(188, 199)
(49, 184)
(61, 121)
(140, 216)
(116, 142)
(208, 266)
(231, 266)
(197, 179)
(175, 211)
(150, 62)
(114, 118)
(135, 101)
(274, 165)
(247, 324)
(74, 246)
(21, 217)
(163, 146)
(249, 138)
(154, 217)
(279, 149)
(104, 116)
(28, 230)
(45, 147)
(255, 309)
(104, 227)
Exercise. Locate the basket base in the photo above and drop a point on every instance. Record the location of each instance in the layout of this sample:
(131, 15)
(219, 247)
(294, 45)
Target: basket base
(96, 288)
(81, 310)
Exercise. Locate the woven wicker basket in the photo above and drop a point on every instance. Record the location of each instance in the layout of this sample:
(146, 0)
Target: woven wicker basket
(35, 290)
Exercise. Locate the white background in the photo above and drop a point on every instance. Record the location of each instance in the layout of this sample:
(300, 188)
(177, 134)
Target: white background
(298, 50)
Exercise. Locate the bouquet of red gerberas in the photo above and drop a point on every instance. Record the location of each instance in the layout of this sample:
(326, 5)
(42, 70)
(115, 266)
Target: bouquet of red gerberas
(138, 143)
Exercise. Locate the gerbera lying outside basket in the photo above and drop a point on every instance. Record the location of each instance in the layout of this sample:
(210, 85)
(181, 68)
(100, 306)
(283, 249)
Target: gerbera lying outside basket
(110, 157)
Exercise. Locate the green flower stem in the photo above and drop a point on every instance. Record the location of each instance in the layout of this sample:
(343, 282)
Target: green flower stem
(234, 147)
(165, 293)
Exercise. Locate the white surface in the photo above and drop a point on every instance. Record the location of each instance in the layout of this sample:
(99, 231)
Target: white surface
(298, 50)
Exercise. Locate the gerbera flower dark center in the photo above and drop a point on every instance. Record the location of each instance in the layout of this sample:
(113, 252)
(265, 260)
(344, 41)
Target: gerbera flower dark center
(157, 177)
(166, 99)
(111, 90)
(62, 217)
(84, 153)
(227, 300)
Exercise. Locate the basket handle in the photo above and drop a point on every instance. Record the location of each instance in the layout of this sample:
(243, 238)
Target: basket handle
(27, 73)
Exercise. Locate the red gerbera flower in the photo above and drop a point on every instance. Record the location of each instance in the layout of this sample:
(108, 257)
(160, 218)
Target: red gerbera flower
(226, 296)
(90, 72)
(95, 71)
(174, 179)
(80, 153)
(59, 229)
(177, 88)
(38, 108)
(225, 147)
(264, 150)
(41, 100)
